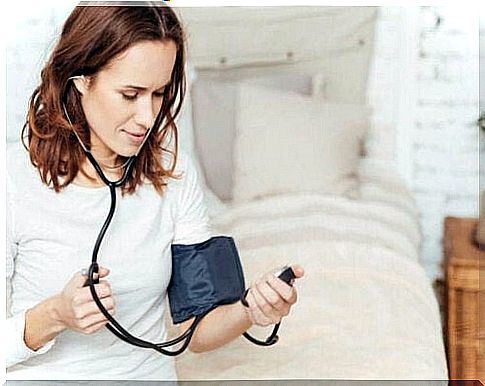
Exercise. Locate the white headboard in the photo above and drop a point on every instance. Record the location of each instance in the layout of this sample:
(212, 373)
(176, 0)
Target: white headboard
(235, 42)
(311, 50)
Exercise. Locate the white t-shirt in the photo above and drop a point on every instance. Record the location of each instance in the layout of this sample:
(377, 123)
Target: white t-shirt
(50, 237)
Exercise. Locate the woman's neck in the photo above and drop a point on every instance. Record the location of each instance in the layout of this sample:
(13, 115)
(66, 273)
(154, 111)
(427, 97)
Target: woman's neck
(106, 158)
(91, 178)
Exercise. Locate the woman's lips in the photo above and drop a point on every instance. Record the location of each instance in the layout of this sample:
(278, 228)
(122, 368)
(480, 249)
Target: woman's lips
(135, 138)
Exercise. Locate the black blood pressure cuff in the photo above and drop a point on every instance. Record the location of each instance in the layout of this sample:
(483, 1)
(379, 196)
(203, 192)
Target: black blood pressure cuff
(204, 276)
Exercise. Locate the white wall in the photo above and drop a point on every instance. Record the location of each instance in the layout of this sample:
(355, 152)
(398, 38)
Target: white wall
(445, 134)
(482, 100)
(30, 27)
(440, 107)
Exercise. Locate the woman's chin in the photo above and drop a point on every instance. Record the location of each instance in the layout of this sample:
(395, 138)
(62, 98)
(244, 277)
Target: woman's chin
(127, 154)
(128, 151)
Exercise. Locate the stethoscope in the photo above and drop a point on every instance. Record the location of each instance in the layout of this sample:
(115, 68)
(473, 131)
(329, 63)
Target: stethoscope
(113, 326)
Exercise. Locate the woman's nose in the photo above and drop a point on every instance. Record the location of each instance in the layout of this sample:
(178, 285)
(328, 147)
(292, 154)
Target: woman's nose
(145, 115)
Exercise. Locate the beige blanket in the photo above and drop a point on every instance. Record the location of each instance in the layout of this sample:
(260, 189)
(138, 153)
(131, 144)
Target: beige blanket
(366, 309)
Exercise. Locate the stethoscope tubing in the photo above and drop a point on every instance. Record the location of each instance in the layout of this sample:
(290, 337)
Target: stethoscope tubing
(113, 326)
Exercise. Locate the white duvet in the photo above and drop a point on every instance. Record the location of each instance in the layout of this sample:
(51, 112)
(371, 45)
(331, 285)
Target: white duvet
(366, 309)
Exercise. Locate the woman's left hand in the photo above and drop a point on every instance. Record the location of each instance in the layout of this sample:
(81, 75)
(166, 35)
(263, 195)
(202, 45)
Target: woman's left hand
(270, 298)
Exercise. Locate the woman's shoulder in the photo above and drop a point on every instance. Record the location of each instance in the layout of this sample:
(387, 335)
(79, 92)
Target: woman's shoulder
(18, 159)
(184, 163)
(16, 150)
(186, 176)
(20, 171)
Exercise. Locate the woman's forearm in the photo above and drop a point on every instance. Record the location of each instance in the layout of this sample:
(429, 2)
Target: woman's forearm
(42, 324)
(219, 327)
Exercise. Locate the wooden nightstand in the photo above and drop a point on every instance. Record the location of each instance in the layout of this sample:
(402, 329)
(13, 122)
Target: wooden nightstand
(465, 300)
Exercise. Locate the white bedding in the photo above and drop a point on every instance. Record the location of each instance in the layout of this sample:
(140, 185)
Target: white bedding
(366, 309)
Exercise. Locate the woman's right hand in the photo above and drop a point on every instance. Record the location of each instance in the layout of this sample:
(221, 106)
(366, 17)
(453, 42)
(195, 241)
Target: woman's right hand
(75, 306)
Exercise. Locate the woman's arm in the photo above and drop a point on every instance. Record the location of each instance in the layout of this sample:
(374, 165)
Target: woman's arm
(33, 332)
(42, 324)
(269, 300)
(30, 332)
(220, 326)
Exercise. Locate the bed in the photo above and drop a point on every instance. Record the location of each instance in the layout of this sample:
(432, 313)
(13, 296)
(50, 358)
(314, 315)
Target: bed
(293, 168)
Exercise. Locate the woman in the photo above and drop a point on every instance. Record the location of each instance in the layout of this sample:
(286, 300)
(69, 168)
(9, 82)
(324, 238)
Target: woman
(115, 73)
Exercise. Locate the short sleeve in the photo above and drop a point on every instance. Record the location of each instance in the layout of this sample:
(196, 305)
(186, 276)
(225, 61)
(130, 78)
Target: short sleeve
(191, 220)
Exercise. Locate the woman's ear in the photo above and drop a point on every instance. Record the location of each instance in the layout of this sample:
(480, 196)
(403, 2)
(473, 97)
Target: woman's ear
(81, 83)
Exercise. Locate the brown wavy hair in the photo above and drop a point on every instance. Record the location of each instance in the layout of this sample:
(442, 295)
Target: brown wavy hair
(90, 38)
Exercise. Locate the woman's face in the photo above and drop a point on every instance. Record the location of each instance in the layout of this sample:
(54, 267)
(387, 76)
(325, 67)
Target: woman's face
(122, 101)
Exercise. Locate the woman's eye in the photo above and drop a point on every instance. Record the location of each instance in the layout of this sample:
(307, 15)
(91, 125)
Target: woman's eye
(130, 97)
(158, 94)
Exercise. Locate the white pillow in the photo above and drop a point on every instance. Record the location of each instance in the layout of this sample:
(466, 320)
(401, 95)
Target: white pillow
(214, 112)
(214, 99)
(184, 119)
(185, 128)
(286, 142)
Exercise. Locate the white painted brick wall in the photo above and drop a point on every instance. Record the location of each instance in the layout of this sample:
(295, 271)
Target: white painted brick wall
(444, 136)
(482, 100)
